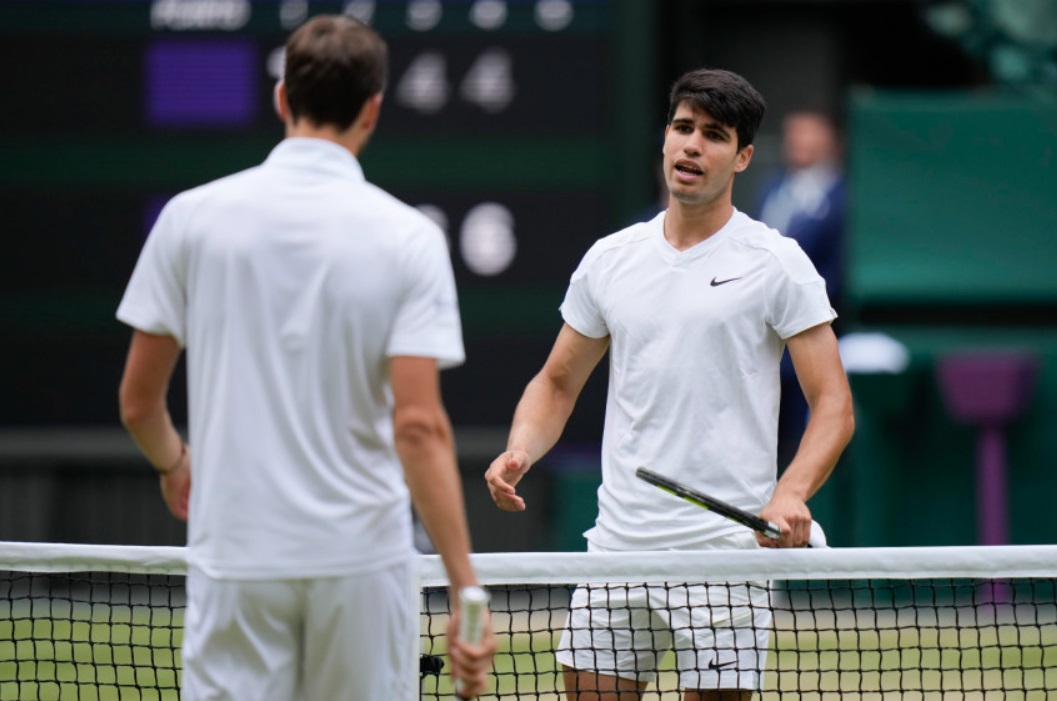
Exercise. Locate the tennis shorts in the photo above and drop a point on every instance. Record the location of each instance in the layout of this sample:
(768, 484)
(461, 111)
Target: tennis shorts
(719, 632)
(319, 639)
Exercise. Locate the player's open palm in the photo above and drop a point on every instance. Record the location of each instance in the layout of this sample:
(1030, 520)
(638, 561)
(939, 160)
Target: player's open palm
(503, 476)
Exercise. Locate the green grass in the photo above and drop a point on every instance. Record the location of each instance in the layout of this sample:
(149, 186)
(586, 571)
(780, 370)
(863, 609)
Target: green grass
(990, 663)
(93, 653)
(121, 653)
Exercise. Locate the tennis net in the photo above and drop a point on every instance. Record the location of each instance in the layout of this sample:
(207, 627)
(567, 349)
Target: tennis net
(973, 623)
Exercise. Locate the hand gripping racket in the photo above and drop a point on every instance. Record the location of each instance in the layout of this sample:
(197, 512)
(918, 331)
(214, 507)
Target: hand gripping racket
(711, 503)
(473, 602)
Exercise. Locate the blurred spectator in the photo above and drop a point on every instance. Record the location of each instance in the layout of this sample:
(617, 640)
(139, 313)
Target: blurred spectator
(805, 200)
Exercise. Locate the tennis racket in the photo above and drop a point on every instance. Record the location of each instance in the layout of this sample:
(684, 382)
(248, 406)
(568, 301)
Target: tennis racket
(711, 503)
(473, 603)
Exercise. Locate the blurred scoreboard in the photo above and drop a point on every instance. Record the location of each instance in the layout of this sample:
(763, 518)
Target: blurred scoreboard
(521, 126)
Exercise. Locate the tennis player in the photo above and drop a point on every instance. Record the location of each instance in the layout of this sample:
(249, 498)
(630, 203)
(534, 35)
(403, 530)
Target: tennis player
(695, 307)
(316, 310)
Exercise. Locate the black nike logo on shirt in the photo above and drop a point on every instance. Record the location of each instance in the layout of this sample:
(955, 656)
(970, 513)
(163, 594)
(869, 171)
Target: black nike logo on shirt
(712, 664)
(717, 283)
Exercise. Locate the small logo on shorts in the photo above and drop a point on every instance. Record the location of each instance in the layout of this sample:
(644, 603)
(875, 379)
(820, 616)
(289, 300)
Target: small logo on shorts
(712, 664)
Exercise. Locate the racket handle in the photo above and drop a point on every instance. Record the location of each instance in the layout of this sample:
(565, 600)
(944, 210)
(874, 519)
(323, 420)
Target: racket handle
(473, 602)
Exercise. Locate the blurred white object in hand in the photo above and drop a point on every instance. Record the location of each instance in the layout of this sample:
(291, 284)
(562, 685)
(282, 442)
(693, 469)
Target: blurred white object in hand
(817, 539)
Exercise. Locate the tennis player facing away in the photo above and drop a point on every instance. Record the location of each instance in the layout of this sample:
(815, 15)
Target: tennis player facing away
(316, 310)
(695, 308)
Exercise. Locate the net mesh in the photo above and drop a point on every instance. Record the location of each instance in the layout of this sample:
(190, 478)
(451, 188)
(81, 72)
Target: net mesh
(974, 623)
(97, 636)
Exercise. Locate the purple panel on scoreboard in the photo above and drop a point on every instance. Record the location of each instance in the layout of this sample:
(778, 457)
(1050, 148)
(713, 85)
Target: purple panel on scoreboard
(201, 83)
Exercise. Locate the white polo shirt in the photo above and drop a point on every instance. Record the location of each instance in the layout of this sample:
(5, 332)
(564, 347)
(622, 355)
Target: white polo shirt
(696, 341)
(291, 284)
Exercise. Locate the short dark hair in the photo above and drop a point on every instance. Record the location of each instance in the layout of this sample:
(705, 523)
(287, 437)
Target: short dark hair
(725, 96)
(334, 64)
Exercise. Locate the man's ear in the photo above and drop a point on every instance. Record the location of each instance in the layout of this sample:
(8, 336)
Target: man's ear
(282, 109)
(368, 117)
(743, 158)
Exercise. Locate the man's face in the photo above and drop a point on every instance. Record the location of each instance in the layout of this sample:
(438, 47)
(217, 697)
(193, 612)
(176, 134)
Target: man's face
(700, 157)
(808, 140)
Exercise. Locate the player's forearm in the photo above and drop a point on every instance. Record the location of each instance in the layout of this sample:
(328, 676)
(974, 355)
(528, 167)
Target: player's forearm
(430, 469)
(828, 432)
(540, 418)
(151, 428)
(142, 399)
(442, 513)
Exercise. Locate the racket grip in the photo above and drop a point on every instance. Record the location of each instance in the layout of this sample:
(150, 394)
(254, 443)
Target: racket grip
(473, 602)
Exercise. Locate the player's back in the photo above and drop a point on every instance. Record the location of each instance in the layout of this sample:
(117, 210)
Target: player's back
(296, 271)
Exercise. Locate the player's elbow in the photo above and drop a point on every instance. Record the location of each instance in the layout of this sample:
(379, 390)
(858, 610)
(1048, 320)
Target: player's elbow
(135, 409)
(836, 412)
(417, 428)
(846, 417)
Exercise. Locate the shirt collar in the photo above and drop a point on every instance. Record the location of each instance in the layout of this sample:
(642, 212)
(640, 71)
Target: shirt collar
(698, 249)
(318, 155)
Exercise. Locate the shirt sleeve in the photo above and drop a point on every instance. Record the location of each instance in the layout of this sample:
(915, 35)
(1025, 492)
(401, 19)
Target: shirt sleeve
(580, 308)
(428, 322)
(796, 299)
(155, 299)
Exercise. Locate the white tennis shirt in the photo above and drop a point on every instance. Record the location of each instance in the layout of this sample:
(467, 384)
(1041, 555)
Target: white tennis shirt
(291, 284)
(696, 341)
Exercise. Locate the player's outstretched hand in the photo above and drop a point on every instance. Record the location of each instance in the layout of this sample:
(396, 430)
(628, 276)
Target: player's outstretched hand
(502, 477)
(471, 663)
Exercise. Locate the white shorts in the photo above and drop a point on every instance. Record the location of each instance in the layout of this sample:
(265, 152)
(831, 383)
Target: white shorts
(719, 632)
(322, 639)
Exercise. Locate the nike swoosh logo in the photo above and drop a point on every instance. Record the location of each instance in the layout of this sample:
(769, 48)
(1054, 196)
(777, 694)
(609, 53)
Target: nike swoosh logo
(712, 664)
(717, 283)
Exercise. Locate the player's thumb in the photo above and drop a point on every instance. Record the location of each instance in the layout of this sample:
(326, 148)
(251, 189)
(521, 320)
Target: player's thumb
(517, 463)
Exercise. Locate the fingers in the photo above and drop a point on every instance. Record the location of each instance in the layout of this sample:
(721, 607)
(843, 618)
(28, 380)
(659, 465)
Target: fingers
(502, 476)
(176, 491)
(471, 665)
(792, 516)
(765, 541)
(794, 534)
(508, 500)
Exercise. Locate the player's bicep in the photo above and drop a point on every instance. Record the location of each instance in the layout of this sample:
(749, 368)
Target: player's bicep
(148, 369)
(417, 405)
(816, 359)
(415, 381)
(572, 359)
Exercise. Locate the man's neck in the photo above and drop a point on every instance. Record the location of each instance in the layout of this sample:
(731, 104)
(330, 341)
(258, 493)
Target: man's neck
(352, 138)
(686, 226)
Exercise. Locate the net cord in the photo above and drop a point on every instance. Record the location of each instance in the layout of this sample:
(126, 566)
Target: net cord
(975, 561)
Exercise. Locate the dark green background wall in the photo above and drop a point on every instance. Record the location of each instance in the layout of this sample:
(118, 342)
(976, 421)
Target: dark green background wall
(953, 250)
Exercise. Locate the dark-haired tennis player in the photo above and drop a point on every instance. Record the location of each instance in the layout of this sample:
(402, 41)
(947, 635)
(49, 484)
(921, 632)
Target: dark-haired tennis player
(316, 310)
(695, 308)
